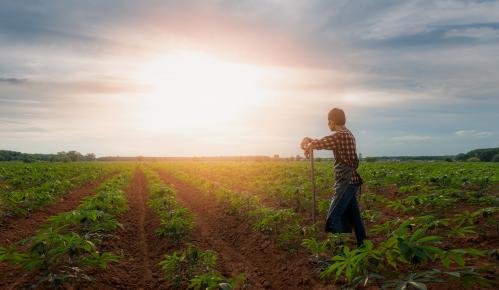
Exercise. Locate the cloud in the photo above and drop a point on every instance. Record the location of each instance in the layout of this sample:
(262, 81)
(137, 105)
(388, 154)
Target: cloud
(405, 71)
(473, 133)
(412, 138)
(13, 81)
(475, 32)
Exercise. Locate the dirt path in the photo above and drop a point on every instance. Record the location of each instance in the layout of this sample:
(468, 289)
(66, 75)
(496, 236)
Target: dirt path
(14, 229)
(140, 248)
(242, 250)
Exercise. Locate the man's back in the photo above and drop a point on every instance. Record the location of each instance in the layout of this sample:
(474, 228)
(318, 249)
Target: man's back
(342, 143)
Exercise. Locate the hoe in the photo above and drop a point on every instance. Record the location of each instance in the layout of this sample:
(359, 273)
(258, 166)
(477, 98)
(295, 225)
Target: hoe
(312, 177)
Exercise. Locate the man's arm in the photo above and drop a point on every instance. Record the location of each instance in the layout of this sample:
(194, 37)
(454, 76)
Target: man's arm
(328, 142)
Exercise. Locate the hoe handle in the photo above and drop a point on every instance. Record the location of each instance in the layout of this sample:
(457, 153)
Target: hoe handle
(312, 177)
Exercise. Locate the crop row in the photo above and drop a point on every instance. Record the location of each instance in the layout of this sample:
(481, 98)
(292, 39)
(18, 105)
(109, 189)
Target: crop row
(19, 176)
(408, 255)
(190, 267)
(33, 186)
(288, 183)
(66, 248)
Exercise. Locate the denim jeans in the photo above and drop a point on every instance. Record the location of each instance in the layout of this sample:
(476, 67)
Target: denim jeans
(347, 207)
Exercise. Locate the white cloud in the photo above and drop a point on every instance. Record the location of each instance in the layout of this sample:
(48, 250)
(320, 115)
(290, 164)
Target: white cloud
(412, 138)
(474, 32)
(473, 133)
(414, 17)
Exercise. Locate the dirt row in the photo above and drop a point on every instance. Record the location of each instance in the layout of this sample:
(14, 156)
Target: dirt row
(137, 244)
(15, 229)
(240, 248)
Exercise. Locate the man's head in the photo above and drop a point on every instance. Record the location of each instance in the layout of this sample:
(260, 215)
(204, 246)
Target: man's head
(336, 117)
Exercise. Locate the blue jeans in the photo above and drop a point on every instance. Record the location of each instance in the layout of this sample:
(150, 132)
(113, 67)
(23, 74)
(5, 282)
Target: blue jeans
(347, 208)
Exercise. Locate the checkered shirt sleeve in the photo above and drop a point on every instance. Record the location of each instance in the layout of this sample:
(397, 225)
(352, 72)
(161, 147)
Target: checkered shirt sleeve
(344, 147)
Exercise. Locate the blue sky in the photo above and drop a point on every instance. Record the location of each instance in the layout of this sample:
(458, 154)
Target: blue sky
(247, 77)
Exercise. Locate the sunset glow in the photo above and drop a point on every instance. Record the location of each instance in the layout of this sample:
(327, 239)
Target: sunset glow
(247, 77)
(192, 91)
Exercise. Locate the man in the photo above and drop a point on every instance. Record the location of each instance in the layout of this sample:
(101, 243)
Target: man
(344, 209)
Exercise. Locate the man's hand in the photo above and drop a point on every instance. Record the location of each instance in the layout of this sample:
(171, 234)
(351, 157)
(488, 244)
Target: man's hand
(306, 145)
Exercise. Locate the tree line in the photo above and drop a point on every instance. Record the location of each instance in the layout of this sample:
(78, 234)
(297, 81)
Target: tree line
(63, 156)
(484, 155)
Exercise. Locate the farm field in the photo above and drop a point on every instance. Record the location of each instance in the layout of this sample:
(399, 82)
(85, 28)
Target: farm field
(244, 225)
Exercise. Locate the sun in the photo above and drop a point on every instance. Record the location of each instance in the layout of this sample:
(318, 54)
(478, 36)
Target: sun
(192, 91)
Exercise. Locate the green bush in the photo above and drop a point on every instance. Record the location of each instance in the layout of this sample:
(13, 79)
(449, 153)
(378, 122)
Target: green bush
(473, 159)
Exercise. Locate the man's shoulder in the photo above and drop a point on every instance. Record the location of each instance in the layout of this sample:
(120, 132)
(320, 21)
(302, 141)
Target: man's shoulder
(344, 132)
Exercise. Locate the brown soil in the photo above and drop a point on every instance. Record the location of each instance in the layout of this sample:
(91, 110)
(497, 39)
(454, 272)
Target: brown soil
(15, 229)
(140, 248)
(241, 249)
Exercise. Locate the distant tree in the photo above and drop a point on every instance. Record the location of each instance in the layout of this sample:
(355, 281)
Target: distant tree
(473, 159)
(370, 159)
(7, 155)
(495, 158)
(74, 156)
(62, 157)
(461, 157)
(27, 159)
(485, 154)
(89, 157)
(448, 159)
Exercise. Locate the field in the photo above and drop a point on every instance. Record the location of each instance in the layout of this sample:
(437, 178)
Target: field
(245, 225)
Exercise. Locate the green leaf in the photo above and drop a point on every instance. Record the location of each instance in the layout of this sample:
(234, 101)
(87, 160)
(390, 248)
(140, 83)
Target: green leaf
(459, 260)
(446, 261)
(429, 239)
(418, 285)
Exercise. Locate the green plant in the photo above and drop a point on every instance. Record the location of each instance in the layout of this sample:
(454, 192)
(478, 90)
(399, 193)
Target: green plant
(370, 215)
(465, 218)
(214, 281)
(414, 247)
(386, 228)
(346, 263)
(181, 267)
(412, 281)
(461, 231)
(468, 277)
(283, 222)
(59, 257)
(396, 205)
(175, 224)
(315, 247)
(457, 255)
(66, 248)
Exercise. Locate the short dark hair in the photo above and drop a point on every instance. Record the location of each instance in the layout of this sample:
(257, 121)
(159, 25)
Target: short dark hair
(337, 116)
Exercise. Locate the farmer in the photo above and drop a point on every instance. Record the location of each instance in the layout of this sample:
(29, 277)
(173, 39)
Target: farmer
(344, 209)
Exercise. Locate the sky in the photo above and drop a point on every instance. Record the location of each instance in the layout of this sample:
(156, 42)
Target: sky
(198, 78)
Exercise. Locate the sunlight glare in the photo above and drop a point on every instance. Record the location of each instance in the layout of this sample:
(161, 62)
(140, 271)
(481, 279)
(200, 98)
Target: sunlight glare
(191, 91)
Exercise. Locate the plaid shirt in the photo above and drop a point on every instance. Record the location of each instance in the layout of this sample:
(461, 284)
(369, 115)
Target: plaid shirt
(343, 145)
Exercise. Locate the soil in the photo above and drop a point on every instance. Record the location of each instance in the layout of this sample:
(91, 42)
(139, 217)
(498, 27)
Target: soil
(137, 244)
(240, 248)
(15, 229)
